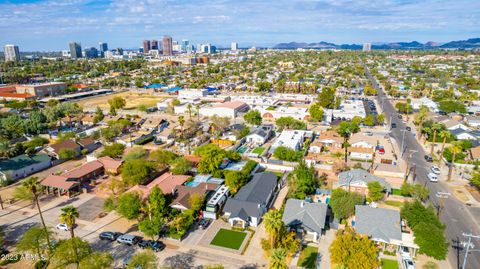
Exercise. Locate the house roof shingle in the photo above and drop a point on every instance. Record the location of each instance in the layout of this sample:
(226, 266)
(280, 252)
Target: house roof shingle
(378, 223)
(311, 216)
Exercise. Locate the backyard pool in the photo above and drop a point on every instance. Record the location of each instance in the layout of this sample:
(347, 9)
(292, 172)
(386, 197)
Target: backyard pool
(242, 150)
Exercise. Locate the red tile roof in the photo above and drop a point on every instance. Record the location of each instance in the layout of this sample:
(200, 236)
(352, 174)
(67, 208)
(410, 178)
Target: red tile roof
(58, 182)
(84, 169)
(110, 163)
(15, 95)
(165, 182)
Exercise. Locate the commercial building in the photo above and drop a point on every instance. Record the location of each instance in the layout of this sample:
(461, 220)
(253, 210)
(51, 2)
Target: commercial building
(40, 90)
(75, 50)
(192, 94)
(91, 53)
(185, 43)
(367, 47)
(227, 109)
(154, 45)
(12, 53)
(234, 46)
(167, 46)
(103, 47)
(146, 46)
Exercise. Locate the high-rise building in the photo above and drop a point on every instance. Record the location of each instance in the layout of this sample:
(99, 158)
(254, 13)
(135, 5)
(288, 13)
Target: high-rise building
(367, 46)
(167, 45)
(154, 45)
(234, 46)
(184, 44)
(146, 46)
(12, 53)
(102, 48)
(91, 53)
(119, 51)
(75, 50)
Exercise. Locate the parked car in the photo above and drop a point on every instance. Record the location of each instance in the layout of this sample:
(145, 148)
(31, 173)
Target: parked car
(400, 116)
(408, 128)
(153, 245)
(428, 158)
(204, 223)
(394, 125)
(128, 239)
(435, 169)
(405, 252)
(62, 226)
(408, 263)
(368, 133)
(112, 236)
(432, 177)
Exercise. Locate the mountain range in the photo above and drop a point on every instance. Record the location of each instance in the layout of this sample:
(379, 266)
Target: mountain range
(473, 43)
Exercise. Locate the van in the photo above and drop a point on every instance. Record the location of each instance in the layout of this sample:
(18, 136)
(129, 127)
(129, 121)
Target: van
(128, 239)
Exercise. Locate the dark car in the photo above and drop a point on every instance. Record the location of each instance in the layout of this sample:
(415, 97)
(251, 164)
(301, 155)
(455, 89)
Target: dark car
(399, 116)
(408, 128)
(153, 245)
(112, 236)
(394, 125)
(428, 158)
(204, 223)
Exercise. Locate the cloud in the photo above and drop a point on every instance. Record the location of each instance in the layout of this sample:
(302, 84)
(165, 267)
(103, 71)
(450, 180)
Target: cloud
(51, 24)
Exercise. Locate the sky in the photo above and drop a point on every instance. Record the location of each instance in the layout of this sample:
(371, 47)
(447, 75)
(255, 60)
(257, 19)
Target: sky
(36, 25)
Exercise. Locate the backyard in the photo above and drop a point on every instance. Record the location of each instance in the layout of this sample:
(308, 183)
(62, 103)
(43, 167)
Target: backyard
(229, 239)
(389, 264)
(258, 150)
(308, 257)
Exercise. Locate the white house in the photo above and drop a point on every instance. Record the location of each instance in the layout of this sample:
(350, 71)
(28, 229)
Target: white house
(299, 113)
(361, 150)
(348, 110)
(259, 135)
(227, 109)
(425, 101)
(192, 94)
(292, 139)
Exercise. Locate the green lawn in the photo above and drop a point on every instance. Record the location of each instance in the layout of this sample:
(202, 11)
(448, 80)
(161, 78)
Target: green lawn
(228, 239)
(389, 264)
(258, 150)
(394, 203)
(308, 257)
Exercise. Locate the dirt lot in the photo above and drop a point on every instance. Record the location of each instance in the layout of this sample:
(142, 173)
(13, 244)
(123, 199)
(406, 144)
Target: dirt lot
(133, 99)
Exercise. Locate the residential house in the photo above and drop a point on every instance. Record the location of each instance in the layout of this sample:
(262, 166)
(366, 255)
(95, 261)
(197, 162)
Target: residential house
(88, 120)
(475, 153)
(22, 166)
(111, 165)
(357, 180)
(462, 134)
(383, 226)
(361, 150)
(473, 120)
(259, 135)
(305, 217)
(227, 109)
(156, 124)
(88, 143)
(183, 193)
(327, 141)
(251, 201)
(292, 139)
(454, 124)
(425, 101)
(69, 144)
(167, 183)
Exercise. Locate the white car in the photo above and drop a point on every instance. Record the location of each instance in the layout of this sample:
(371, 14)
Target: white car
(408, 263)
(435, 170)
(405, 252)
(62, 226)
(432, 177)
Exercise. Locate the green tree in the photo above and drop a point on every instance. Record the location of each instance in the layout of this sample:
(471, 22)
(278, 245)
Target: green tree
(264, 86)
(369, 120)
(278, 259)
(273, 224)
(114, 150)
(290, 123)
(375, 190)
(152, 227)
(316, 112)
(31, 190)
(98, 115)
(353, 251)
(286, 154)
(97, 260)
(475, 179)
(136, 171)
(70, 251)
(235, 180)
(380, 119)
(145, 260)
(162, 157)
(302, 181)
(343, 203)
(369, 90)
(326, 98)
(420, 117)
(68, 216)
(34, 241)
(129, 205)
(135, 154)
(455, 150)
(346, 130)
(117, 103)
(253, 117)
(431, 240)
(181, 166)
(67, 154)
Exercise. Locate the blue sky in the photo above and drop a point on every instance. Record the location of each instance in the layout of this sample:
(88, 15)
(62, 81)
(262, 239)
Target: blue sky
(51, 24)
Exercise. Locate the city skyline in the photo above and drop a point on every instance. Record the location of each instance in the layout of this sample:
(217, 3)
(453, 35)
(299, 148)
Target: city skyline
(51, 25)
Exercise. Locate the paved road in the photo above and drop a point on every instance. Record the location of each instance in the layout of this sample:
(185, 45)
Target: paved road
(458, 217)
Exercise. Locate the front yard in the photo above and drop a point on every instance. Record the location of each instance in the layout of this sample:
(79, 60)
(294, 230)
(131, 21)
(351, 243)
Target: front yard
(229, 239)
(389, 264)
(308, 257)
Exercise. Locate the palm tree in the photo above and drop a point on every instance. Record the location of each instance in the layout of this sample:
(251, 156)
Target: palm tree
(435, 128)
(454, 149)
(31, 189)
(68, 216)
(278, 259)
(273, 224)
(445, 135)
(420, 118)
(189, 110)
(346, 130)
(197, 107)
(181, 121)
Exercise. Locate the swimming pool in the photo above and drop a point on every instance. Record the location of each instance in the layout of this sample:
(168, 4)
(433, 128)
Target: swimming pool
(242, 150)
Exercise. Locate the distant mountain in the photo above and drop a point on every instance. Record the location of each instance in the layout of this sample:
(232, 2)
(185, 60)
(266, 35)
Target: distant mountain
(414, 45)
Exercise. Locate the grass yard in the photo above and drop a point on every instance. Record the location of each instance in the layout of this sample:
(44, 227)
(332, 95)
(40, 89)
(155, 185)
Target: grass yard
(258, 150)
(133, 99)
(389, 264)
(394, 203)
(228, 239)
(308, 257)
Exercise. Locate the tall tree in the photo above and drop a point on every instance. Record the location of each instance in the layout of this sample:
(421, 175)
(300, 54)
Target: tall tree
(253, 117)
(420, 118)
(316, 112)
(31, 189)
(273, 224)
(145, 260)
(34, 240)
(445, 134)
(435, 128)
(68, 216)
(346, 130)
(278, 259)
(454, 149)
(353, 251)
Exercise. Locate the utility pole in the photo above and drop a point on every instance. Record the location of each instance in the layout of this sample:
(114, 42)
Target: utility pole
(414, 172)
(442, 196)
(469, 245)
(408, 168)
(1, 202)
(403, 142)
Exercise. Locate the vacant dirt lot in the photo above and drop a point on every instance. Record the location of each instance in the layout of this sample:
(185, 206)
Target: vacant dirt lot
(133, 99)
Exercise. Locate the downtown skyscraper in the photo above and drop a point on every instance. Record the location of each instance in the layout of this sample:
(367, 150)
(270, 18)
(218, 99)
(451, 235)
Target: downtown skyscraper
(75, 50)
(12, 53)
(167, 46)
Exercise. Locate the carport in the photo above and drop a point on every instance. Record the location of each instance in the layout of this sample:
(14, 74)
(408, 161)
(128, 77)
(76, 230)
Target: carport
(59, 185)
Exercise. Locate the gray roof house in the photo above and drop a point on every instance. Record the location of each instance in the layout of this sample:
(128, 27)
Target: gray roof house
(380, 224)
(252, 200)
(259, 135)
(357, 180)
(305, 217)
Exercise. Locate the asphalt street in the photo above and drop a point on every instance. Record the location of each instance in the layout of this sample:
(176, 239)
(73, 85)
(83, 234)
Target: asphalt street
(458, 217)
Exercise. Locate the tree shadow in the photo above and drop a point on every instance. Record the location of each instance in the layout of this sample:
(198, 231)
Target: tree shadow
(182, 260)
